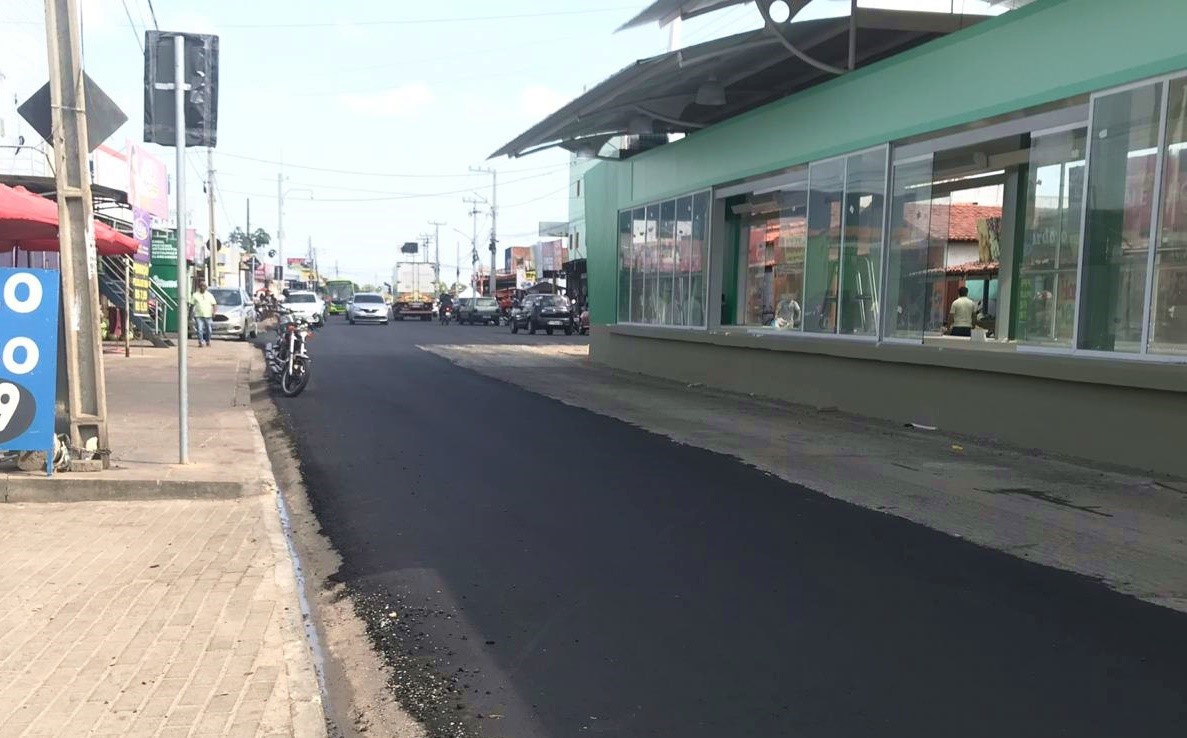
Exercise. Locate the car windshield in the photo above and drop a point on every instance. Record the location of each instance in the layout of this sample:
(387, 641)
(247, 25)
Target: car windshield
(228, 298)
(368, 298)
(487, 302)
(553, 301)
(302, 298)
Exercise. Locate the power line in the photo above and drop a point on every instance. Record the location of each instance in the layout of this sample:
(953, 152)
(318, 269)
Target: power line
(396, 195)
(429, 21)
(535, 199)
(132, 25)
(153, 12)
(355, 173)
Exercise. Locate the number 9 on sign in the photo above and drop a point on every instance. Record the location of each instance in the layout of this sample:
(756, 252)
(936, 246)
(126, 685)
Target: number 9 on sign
(17, 409)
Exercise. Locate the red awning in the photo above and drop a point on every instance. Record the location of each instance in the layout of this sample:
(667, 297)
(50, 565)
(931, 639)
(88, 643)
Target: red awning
(29, 222)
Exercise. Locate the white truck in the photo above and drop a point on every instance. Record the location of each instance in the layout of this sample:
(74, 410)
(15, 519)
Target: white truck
(412, 290)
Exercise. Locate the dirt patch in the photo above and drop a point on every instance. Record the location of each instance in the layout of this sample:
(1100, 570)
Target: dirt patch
(358, 703)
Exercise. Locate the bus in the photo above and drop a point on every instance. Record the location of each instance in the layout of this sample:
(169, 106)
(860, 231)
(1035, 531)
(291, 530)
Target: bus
(340, 292)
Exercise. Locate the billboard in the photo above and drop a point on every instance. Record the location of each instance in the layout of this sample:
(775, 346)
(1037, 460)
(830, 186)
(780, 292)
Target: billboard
(28, 358)
(148, 186)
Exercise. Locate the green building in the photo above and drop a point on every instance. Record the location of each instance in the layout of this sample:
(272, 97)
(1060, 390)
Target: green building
(794, 239)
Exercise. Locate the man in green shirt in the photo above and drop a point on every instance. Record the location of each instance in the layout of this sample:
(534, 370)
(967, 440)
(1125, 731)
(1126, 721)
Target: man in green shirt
(202, 304)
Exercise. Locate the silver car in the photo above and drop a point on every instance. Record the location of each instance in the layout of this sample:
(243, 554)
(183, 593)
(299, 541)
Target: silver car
(234, 314)
(368, 307)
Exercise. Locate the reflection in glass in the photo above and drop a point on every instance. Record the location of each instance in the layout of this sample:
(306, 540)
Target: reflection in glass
(625, 242)
(865, 191)
(826, 185)
(700, 255)
(638, 264)
(1051, 245)
(681, 289)
(1168, 313)
(1121, 202)
(777, 232)
(910, 233)
(651, 251)
(666, 263)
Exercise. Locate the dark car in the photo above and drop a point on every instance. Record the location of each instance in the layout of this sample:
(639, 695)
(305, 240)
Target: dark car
(543, 312)
(483, 310)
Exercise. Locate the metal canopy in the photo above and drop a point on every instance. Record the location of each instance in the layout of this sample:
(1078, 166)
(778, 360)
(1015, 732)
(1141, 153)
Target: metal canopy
(664, 12)
(754, 68)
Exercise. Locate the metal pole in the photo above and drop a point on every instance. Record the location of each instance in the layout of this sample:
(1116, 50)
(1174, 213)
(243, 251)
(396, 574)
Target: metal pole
(212, 228)
(280, 225)
(494, 214)
(852, 34)
(183, 286)
(81, 380)
(127, 306)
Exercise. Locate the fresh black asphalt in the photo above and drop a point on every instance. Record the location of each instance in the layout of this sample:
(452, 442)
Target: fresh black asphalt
(530, 569)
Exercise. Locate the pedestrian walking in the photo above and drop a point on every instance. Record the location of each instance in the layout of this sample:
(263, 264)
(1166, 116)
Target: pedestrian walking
(202, 304)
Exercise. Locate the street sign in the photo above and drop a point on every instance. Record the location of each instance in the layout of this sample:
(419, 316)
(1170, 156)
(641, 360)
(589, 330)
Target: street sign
(28, 358)
(201, 93)
(104, 117)
(410, 247)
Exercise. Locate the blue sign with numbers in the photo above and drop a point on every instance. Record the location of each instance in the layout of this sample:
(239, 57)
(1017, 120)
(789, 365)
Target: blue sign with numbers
(28, 358)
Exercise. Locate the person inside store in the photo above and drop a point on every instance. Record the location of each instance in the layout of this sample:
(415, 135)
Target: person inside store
(962, 316)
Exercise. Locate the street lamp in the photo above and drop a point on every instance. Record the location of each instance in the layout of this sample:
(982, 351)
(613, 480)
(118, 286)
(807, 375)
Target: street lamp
(281, 193)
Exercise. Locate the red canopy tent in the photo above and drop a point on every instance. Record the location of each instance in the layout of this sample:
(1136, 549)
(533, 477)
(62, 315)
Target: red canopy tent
(30, 223)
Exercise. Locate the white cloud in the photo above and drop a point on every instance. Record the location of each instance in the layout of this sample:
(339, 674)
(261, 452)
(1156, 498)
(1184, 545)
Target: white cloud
(539, 101)
(402, 101)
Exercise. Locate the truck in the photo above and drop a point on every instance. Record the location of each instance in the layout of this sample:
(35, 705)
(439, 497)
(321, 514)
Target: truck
(412, 290)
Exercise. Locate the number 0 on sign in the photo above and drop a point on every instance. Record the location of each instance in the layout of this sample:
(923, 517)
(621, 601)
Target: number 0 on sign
(28, 358)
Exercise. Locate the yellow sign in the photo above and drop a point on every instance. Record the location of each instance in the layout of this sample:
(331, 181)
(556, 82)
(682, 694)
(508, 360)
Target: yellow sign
(140, 288)
(529, 275)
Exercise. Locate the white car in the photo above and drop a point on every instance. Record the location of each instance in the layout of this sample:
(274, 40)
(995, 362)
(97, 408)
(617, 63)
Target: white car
(307, 305)
(234, 315)
(368, 307)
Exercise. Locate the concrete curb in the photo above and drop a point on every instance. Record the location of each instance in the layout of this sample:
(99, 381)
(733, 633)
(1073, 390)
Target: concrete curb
(96, 488)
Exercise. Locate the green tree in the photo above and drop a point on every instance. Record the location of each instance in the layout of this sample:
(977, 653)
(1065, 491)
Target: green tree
(255, 243)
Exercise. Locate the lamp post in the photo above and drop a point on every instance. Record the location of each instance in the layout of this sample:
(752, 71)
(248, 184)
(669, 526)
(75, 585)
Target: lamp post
(282, 193)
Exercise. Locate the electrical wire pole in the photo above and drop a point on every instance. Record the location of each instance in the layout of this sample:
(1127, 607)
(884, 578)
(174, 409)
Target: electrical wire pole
(213, 277)
(494, 219)
(280, 225)
(437, 251)
(474, 202)
(78, 332)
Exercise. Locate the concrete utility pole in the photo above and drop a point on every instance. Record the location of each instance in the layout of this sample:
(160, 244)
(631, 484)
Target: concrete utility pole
(213, 279)
(78, 332)
(280, 224)
(494, 216)
(474, 202)
(436, 250)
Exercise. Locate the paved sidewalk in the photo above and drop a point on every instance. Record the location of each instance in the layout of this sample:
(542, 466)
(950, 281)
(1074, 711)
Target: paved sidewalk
(1126, 529)
(157, 617)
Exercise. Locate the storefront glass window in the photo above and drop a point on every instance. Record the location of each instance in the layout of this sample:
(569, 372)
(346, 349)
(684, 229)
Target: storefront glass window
(663, 250)
(1121, 201)
(624, 266)
(1168, 313)
(666, 264)
(865, 192)
(777, 239)
(638, 264)
(700, 255)
(1051, 244)
(826, 187)
(907, 287)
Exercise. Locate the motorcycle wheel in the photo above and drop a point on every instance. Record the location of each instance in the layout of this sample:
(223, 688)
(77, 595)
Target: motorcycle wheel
(293, 384)
(514, 327)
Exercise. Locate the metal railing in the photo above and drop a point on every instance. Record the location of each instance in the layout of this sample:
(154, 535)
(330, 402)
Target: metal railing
(160, 302)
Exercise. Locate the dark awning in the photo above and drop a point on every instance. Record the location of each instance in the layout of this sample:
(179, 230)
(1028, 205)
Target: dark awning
(664, 12)
(754, 68)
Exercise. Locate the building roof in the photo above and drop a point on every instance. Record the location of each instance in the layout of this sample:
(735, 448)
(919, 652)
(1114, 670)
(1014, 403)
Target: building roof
(752, 69)
(664, 12)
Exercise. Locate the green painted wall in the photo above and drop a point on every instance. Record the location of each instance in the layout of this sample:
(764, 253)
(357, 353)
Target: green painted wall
(1049, 50)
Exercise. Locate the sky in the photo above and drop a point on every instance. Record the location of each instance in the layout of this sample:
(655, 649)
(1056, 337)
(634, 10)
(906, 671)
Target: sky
(374, 112)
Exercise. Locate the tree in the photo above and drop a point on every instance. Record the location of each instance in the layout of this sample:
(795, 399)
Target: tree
(254, 243)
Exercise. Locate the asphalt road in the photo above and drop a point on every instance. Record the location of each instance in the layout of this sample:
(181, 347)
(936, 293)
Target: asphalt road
(625, 585)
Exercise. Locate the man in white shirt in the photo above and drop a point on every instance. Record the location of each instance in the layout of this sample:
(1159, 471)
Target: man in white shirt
(962, 316)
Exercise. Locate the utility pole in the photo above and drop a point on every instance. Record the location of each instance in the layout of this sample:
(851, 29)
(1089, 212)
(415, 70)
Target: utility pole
(251, 275)
(78, 332)
(280, 224)
(436, 250)
(213, 278)
(494, 215)
(474, 202)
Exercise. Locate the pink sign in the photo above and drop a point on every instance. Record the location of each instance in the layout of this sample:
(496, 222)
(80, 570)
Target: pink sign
(149, 185)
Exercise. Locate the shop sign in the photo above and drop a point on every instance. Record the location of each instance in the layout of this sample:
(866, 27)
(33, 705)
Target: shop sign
(164, 248)
(28, 358)
(141, 286)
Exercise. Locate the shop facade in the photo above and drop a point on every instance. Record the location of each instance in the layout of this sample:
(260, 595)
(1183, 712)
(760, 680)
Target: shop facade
(804, 250)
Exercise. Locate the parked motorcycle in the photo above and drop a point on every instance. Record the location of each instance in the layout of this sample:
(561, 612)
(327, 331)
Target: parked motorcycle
(583, 321)
(287, 360)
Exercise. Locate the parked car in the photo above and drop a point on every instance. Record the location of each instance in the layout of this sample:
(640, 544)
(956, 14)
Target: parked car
(306, 305)
(543, 312)
(368, 307)
(234, 313)
(483, 310)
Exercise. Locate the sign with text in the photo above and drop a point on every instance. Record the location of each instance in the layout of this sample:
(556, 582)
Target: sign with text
(28, 358)
(164, 248)
(140, 288)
